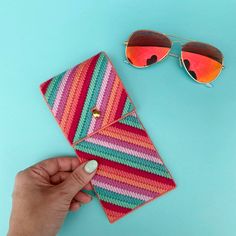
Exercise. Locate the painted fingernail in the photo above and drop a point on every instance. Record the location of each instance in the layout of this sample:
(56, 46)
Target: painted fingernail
(91, 166)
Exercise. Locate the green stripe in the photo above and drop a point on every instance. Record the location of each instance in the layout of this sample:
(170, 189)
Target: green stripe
(117, 202)
(132, 121)
(93, 100)
(118, 199)
(85, 115)
(53, 88)
(123, 158)
(128, 107)
(50, 89)
(89, 192)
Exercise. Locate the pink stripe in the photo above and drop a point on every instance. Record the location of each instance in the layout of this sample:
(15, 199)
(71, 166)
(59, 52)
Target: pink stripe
(120, 190)
(119, 142)
(66, 92)
(104, 84)
(125, 186)
(60, 92)
(124, 148)
(105, 99)
(101, 94)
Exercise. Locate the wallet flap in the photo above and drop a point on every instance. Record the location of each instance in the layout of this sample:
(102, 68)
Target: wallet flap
(87, 97)
(131, 172)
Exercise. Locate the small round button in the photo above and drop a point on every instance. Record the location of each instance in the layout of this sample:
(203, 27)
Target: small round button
(96, 112)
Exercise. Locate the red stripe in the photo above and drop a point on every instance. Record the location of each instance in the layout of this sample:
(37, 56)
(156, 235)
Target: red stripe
(121, 104)
(44, 86)
(80, 105)
(130, 129)
(115, 208)
(126, 168)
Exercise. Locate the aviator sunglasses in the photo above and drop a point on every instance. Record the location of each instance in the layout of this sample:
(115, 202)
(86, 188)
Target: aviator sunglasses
(203, 62)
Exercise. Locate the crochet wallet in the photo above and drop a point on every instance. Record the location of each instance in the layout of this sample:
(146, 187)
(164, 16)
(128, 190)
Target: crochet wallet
(100, 122)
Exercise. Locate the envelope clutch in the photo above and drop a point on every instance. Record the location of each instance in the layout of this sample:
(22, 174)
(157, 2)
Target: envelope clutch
(98, 118)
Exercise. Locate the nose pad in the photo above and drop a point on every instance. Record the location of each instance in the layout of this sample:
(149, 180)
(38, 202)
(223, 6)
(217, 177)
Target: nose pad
(209, 85)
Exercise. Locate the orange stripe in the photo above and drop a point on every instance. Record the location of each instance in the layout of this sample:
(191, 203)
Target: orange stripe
(106, 171)
(124, 178)
(135, 177)
(128, 137)
(81, 77)
(69, 100)
(113, 215)
(130, 178)
(110, 102)
(130, 134)
(116, 102)
(135, 183)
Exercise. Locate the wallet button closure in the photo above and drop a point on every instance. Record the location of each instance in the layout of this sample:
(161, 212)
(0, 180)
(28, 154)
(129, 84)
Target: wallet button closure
(96, 112)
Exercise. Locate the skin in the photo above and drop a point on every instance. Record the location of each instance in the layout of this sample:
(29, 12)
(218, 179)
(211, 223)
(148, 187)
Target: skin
(45, 193)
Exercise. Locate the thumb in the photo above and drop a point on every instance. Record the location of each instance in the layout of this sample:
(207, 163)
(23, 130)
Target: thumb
(79, 178)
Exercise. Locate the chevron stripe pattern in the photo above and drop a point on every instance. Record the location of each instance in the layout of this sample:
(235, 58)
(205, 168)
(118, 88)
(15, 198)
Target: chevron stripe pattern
(130, 172)
(72, 94)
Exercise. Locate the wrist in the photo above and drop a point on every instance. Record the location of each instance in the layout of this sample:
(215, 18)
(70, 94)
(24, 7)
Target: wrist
(18, 228)
(24, 226)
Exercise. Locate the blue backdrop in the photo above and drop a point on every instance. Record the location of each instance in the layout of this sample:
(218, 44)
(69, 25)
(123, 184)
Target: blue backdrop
(193, 127)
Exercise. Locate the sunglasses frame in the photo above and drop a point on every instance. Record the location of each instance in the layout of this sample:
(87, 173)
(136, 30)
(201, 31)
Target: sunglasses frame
(182, 42)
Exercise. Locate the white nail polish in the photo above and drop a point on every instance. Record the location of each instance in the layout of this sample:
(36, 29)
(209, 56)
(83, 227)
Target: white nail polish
(91, 166)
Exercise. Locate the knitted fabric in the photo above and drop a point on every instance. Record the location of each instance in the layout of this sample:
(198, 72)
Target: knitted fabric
(130, 171)
(72, 94)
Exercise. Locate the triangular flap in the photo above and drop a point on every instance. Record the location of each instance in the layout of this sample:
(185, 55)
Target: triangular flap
(73, 95)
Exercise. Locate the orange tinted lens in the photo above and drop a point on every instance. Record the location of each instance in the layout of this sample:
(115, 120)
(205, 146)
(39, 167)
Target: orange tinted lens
(202, 61)
(147, 47)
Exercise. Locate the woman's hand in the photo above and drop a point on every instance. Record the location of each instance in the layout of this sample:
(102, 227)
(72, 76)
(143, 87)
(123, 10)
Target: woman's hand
(45, 192)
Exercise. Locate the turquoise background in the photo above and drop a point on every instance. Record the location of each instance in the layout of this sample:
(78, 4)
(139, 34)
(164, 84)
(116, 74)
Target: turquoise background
(193, 127)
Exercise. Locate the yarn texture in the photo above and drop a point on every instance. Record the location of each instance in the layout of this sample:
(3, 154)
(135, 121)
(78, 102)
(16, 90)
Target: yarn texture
(131, 172)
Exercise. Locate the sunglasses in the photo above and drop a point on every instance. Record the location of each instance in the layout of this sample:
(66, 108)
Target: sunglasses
(203, 62)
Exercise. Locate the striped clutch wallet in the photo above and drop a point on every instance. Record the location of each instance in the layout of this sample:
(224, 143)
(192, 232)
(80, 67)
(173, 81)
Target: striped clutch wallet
(98, 118)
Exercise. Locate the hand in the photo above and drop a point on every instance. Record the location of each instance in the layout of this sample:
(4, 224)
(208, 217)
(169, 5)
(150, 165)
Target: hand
(45, 192)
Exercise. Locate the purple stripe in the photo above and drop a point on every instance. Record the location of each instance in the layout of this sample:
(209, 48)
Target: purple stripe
(124, 186)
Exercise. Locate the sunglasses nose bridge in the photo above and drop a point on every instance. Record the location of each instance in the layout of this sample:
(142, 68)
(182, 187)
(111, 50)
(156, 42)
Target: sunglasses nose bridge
(176, 48)
(173, 55)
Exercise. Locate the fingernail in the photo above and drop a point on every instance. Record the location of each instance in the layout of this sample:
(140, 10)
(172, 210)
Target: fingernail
(91, 166)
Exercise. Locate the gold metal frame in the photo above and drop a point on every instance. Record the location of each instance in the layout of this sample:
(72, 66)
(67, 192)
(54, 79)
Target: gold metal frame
(182, 42)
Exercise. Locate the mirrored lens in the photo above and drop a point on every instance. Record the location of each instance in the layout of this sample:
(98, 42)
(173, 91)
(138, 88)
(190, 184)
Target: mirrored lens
(145, 48)
(202, 61)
